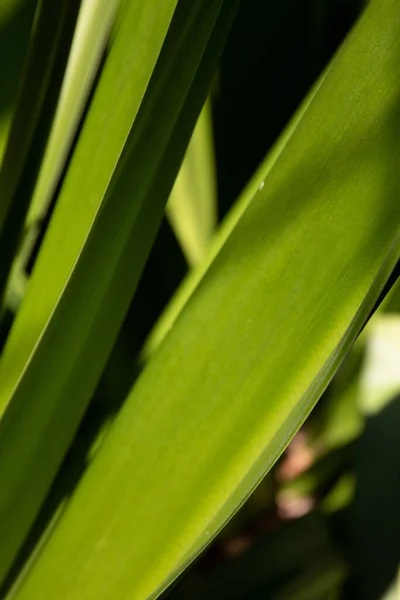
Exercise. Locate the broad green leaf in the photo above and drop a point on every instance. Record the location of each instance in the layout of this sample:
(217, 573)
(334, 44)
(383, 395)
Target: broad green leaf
(191, 207)
(91, 35)
(100, 147)
(104, 223)
(190, 284)
(255, 345)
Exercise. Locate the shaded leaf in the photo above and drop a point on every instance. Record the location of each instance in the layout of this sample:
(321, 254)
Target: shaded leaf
(38, 94)
(257, 343)
(192, 208)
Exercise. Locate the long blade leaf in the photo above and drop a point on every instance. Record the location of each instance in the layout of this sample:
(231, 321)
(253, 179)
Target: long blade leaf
(90, 38)
(46, 58)
(256, 344)
(103, 279)
(192, 208)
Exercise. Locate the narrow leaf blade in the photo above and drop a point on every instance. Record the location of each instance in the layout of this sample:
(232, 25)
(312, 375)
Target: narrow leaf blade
(192, 205)
(256, 344)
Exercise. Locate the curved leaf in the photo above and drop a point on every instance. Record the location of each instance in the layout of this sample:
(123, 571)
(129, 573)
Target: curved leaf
(37, 98)
(42, 341)
(91, 34)
(255, 345)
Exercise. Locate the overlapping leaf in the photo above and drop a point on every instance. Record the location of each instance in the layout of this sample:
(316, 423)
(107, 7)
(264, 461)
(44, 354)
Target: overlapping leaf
(38, 95)
(91, 35)
(99, 237)
(249, 354)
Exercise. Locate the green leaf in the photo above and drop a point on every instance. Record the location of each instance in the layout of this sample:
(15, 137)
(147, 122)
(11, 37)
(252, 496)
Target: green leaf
(192, 207)
(255, 346)
(100, 146)
(380, 378)
(188, 287)
(37, 100)
(90, 38)
(91, 35)
(83, 281)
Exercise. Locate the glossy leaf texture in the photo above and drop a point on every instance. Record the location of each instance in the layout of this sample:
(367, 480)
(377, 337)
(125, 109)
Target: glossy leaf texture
(83, 282)
(256, 344)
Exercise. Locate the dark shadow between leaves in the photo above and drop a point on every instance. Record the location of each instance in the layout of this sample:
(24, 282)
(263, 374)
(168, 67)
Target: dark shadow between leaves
(14, 36)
